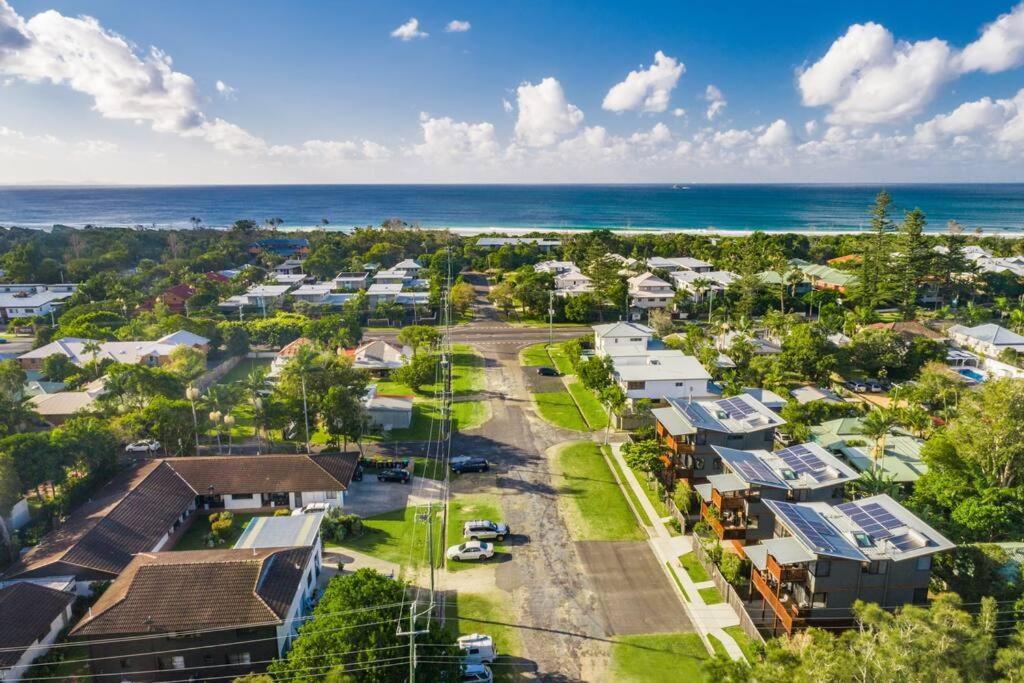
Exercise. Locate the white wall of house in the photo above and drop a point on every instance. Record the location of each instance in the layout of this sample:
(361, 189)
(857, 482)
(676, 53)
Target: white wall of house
(333, 498)
(36, 650)
(656, 389)
(618, 346)
(1000, 369)
(287, 630)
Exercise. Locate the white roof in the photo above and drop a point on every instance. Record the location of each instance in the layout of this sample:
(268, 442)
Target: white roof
(665, 365)
(766, 396)
(384, 289)
(990, 333)
(622, 329)
(351, 276)
(407, 264)
(62, 403)
(555, 267)
(121, 352)
(647, 280)
(807, 394)
(722, 278)
(184, 337)
(288, 278)
(12, 300)
(267, 291)
(678, 262)
(742, 414)
(380, 355)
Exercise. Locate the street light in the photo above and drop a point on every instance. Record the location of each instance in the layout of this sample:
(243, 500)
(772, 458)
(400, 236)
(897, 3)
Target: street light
(257, 404)
(192, 394)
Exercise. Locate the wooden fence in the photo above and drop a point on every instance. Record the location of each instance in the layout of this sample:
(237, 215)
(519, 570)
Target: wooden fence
(728, 592)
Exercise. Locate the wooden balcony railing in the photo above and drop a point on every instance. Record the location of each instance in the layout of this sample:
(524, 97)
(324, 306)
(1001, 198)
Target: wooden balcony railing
(786, 574)
(787, 612)
(723, 531)
(727, 502)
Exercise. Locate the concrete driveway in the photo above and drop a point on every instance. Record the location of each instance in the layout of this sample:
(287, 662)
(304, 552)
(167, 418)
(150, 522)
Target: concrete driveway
(371, 497)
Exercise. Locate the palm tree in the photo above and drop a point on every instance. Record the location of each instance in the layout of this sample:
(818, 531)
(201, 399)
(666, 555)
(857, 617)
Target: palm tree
(876, 426)
(93, 348)
(872, 483)
(1017, 319)
(251, 386)
(916, 419)
(303, 363)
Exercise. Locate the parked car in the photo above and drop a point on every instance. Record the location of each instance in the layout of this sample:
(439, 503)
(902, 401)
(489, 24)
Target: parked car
(547, 372)
(476, 673)
(856, 385)
(470, 550)
(874, 386)
(483, 528)
(464, 464)
(357, 475)
(143, 446)
(477, 648)
(401, 476)
(3, 340)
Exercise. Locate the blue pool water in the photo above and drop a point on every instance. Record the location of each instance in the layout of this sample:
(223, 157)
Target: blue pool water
(972, 374)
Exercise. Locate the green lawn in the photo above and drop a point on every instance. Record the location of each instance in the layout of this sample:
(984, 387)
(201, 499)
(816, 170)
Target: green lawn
(392, 535)
(717, 646)
(467, 372)
(751, 648)
(649, 488)
(463, 508)
(593, 412)
(592, 499)
(535, 355)
(711, 595)
(244, 367)
(693, 567)
(679, 583)
(68, 663)
(559, 409)
(663, 657)
(560, 359)
(430, 468)
(644, 519)
(193, 538)
(489, 613)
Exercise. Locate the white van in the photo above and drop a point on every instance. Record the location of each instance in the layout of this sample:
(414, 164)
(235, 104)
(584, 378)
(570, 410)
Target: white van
(477, 648)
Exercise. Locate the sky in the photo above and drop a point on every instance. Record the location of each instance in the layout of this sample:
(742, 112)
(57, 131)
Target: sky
(196, 92)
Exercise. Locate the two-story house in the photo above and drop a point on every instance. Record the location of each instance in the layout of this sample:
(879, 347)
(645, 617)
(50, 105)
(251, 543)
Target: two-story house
(701, 285)
(648, 291)
(660, 374)
(690, 429)
(823, 558)
(679, 263)
(621, 339)
(733, 502)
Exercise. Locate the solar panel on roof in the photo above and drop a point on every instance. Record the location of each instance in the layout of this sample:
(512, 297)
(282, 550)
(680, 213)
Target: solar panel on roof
(755, 470)
(873, 518)
(802, 460)
(736, 407)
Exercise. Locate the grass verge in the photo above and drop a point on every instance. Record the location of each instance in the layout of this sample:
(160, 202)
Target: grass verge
(488, 613)
(678, 582)
(559, 409)
(693, 567)
(751, 648)
(711, 595)
(663, 657)
(535, 355)
(644, 519)
(717, 646)
(592, 499)
(391, 535)
(593, 412)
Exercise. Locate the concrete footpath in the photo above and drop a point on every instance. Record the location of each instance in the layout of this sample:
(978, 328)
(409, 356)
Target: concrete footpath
(709, 620)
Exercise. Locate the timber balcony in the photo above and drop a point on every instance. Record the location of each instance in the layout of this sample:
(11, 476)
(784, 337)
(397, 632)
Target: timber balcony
(731, 527)
(787, 613)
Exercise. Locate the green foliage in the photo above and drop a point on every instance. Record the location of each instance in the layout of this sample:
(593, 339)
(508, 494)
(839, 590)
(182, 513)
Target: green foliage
(595, 372)
(419, 336)
(807, 352)
(734, 568)
(12, 379)
(644, 456)
(57, 367)
(420, 370)
(682, 496)
(337, 526)
(353, 627)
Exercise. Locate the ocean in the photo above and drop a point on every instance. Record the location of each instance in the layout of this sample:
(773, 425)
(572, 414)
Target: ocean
(993, 208)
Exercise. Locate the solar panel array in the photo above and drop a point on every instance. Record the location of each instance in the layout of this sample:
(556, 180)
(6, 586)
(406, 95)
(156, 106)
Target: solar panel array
(873, 518)
(802, 460)
(736, 407)
(756, 471)
(811, 525)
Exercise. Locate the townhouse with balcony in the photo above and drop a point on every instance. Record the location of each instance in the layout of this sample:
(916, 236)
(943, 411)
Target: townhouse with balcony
(822, 559)
(703, 284)
(733, 503)
(689, 430)
(648, 291)
(679, 263)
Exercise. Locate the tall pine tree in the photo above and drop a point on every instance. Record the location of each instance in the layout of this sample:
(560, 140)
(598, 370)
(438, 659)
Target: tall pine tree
(914, 264)
(874, 265)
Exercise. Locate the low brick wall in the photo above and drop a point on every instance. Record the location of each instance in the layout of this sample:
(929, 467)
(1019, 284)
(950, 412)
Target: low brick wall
(211, 376)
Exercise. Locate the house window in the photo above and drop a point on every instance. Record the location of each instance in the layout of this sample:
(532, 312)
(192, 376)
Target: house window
(753, 522)
(636, 385)
(636, 339)
(175, 662)
(331, 495)
(875, 567)
(733, 437)
(818, 600)
(241, 496)
(698, 463)
(239, 658)
(821, 568)
(680, 384)
(920, 596)
(924, 563)
(837, 492)
(716, 465)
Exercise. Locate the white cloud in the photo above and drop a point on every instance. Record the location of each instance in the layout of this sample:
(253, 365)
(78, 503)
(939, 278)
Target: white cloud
(679, 112)
(225, 90)
(544, 113)
(811, 127)
(776, 135)
(998, 124)
(445, 139)
(1000, 47)
(717, 102)
(457, 26)
(410, 30)
(507, 106)
(648, 89)
(867, 77)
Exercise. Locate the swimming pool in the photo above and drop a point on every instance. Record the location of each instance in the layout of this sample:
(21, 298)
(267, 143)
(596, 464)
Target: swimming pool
(972, 374)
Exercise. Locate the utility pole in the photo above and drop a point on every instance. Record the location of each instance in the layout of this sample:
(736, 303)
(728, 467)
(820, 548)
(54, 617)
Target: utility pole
(551, 317)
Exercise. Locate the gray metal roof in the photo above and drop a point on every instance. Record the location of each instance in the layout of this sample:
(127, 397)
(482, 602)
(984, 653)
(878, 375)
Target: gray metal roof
(814, 530)
(725, 483)
(280, 532)
(673, 422)
(787, 550)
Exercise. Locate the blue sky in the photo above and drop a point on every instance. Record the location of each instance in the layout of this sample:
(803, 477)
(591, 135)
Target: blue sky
(323, 92)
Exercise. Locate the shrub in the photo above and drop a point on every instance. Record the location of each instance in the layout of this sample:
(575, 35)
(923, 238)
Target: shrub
(282, 512)
(220, 527)
(733, 567)
(338, 526)
(683, 496)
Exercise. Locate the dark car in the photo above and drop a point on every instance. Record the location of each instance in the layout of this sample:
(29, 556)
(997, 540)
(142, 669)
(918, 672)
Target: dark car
(401, 476)
(358, 474)
(547, 372)
(460, 465)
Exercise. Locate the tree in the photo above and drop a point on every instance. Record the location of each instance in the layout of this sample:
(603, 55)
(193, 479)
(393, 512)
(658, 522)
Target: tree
(57, 367)
(581, 307)
(874, 263)
(344, 415)
(876, 426)
(872, 351)
(644, 455)
(419, 336)
(187, 363)
(596, 372)
(86, 443)
(304, 363)
(989, 431)
(914, 263)
(235, 338)
(33, 458)
(421, 369)
(170, 422)
(12, 379)
(660, 321)
(807, 351)
(353, 628)
(462, 297)
(502, 295)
